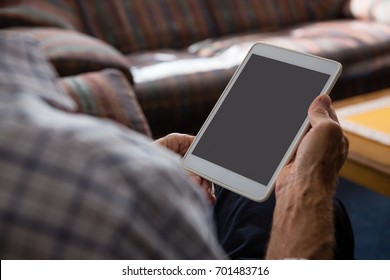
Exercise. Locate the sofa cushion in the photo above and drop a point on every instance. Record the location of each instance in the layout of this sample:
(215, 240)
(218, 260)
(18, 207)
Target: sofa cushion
(233, 16)
(107, 94)
(362, 47)
(132, 25)
(53, 13)
(348, 41)
(378, 10)
(72, 52)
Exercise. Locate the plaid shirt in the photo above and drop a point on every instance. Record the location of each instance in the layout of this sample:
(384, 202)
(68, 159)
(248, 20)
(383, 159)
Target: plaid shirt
(75, 187)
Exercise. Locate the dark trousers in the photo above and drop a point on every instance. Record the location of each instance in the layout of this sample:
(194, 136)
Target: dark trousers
(243, 226)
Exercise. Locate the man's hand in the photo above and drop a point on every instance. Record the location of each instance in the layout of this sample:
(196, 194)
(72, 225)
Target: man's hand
(303, 219)
(179, 143)
(322, 151)
(176, 142)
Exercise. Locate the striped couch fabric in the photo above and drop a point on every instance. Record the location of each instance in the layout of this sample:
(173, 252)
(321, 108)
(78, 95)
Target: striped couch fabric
(107, 94)
(133, 25)
(53, 13)
(237, 16)
(73, 53)
(140, 25)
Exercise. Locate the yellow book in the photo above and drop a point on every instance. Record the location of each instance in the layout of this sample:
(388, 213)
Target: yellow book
(370, 119)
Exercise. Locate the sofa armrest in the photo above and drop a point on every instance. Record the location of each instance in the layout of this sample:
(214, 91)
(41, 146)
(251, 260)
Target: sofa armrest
(375, 10)
(107, 94)
(72, 52)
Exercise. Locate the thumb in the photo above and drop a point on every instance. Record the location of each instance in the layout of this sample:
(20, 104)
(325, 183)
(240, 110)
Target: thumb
(319, 110)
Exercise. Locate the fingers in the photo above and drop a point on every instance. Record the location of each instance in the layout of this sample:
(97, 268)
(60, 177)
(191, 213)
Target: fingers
(208, 190)
(205, 186)
(184, 142)
(176, 142)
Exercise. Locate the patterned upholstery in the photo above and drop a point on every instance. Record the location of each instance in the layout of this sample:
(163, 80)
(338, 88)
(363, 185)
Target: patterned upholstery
(139, 24)
(233, 16)
(107, 94)
(345, 40)
(72, 52)
(53, 13)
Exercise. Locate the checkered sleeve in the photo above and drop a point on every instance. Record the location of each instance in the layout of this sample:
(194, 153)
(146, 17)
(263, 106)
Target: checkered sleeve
(75, 187)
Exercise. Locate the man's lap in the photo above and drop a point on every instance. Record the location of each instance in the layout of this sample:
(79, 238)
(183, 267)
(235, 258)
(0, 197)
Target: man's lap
(243, 226)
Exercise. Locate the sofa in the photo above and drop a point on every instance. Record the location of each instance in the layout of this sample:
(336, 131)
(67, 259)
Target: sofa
(171, 59)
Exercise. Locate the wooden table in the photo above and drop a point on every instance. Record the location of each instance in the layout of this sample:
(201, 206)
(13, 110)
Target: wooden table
(368, 162)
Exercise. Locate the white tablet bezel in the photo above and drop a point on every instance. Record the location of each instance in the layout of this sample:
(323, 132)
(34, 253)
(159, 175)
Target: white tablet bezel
(236, 182)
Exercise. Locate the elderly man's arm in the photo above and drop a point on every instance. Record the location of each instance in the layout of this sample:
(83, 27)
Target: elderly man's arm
(303, 219)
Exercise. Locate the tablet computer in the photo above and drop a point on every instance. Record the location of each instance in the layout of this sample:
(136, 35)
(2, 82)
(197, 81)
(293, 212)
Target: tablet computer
(258, 121)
